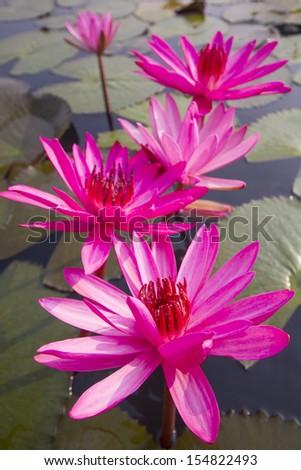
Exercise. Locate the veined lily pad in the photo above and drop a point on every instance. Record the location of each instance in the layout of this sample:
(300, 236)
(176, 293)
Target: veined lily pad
(153, 12)
(255, 11)
(118, 8)
(198, 29)
(276, 223)
(277, 140)
(139, 112)
(13, 238)
(56, 22)
(107, 139)
(32, 396)
(36, 51)
(283, 75)
(289, 5)
(297, 184)
(244, 431)
(130, 27)
(23, 118)
(111, 430)
(85, 94)
(16, 10)
(289, 48)
(12, 85)
(244, 33)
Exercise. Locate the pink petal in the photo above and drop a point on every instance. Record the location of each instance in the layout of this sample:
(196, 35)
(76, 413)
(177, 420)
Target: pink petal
(203, 207)
(98, 291)
(96, 250)
(257, 342)
(145, 321)
(195, 401)
(256, 308)
(199, 260)
(145, 261)
(220, 184)
(128, 265)
(78, 364)
(220, 298)
(78, 314)
(187, 352)
(164, 256)
(112, 390)
(30, 195)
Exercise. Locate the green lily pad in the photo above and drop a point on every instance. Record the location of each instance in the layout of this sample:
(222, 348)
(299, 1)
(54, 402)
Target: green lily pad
(107, 139)
(244, 33)
(139, 112)
(278, 265)
(12, 85)
(36, 50)
(258, 12)
(296, 189)
(198, 29)
(32, 396)
(277, 140)
(289, 48)
(153, 12)
(69, 3)
(283, 75)
(289, 5)
(16, 10)
(85, 95)
(111, 430)
(117, 8)
(56, 22)
(130, 27)
(245, 431)
(23, 118)
(13, 238)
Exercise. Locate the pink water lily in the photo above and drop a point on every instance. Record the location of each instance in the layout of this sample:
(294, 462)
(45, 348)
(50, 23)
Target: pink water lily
(212, 73)
(120, 194)
(203, 148)
(173, 319)
(93, 31)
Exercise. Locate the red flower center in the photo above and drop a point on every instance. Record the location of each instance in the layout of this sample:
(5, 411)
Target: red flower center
(112, 189)
(211, 65)
(169, 305)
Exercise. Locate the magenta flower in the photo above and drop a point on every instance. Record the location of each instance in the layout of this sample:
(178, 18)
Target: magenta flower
(213, 73)
(203, 148)
(121, 194)
(173, 319)
(93, 31)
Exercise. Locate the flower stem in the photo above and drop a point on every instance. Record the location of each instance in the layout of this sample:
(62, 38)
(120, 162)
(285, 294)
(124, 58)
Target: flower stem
(168, 433)
(105, 93)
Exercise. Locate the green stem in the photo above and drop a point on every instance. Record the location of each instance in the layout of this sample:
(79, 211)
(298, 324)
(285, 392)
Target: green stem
(105, 93)
(168, 433)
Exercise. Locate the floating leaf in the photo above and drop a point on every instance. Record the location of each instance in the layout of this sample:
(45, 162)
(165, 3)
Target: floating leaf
(255, 11)
(130, 27)
(56, 22)
(153, 12)
(23, 118)
(276, 223)
(13, 238)
(289, 48)
(32, 396)
(288, 5)
(118, 8)
(111, 430)
(36, 51)
(280, 136)
(107, 139)
(245, 431)
(85, 96)
(244, 33)
(139, 112)
(297, 184)
(69, 3)
(197, 28)
(283, 75)
(16, 10)
(12, 85)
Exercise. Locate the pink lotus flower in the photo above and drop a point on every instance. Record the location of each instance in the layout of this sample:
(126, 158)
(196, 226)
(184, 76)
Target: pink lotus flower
(173, 319)
(120, 194)
(94, 32)
(204, 149)
(213, 73)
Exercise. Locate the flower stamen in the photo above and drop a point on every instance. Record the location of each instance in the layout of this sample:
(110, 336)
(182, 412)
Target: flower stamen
(169, 306)
(211, 64)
